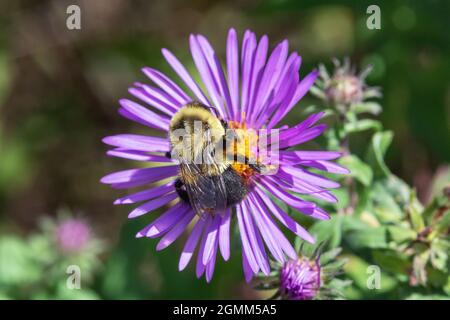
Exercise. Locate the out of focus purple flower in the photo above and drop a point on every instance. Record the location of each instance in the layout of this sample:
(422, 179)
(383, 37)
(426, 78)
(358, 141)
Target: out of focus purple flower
(257, 90)
(300, 279)
(345, 87)
(72, 235)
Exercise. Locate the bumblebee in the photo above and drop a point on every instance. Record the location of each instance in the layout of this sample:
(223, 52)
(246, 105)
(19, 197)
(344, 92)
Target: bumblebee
(207, 178)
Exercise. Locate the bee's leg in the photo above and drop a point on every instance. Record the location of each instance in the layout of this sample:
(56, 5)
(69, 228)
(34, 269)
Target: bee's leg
(181, 191)
(168, 154)
(256, 167)
(224, 124)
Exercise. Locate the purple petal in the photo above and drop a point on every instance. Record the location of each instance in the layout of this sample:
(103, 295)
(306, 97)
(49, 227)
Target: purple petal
(153, 97)
(147, 194)
(167, 85)
(160, 96)
(326, 166)
(295, 202)
(136, 177)
(212, 262)
(284, 90)
(300, 186)
(130, 116)
(248, 272)
(175, 232)
(295, 157)
(165, 221)
(200, 267)
(322, 213)
(270, 76)
(307, 123)
(257, 72)
(206, 74)
(266, 233)
(254, 237)
(233, 71)
(224, 235)
(301, 89)
(279, 241)
(248, 53)
(211, 236)
(191, 244)
(146, 116)
(283, 217)
(137, 155)
(293, 61)
(302, 136)
(216, 70)
(301, 205)
(285, 95)
(138, 142)
(305, 84)
(310, 177)
(185, 76)
(152, 205)
(246, 248)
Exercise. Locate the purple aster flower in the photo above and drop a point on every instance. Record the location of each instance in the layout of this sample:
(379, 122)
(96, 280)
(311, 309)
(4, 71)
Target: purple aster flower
(257, 90)
(307, 277)
(72, 235)
(300, 279)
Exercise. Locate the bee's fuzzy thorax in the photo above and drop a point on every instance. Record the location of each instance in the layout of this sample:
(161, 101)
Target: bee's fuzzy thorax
(203, 129)
(195, 111)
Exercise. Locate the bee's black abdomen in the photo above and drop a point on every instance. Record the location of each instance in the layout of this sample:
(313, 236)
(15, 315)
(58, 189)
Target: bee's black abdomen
(235, 186)
(235, 189)
(182, 193)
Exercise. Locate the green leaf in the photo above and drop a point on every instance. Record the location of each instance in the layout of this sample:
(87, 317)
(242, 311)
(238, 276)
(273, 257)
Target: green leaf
(392, 261)
(367, 238)
(351, 222)
(328, 230)
(359, 271)
(375, 155)
(415, 215)
(419, 266)
(362, 125)
(317, 92)
(401, 234)
(444, 222)
(367, 107)
(329, 255)
(16, 263)
(358, 169)
(364, 202)
(399, 190)
(384, 205)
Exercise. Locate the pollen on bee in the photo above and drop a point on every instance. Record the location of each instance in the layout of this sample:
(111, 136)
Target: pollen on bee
(244, 170)
(244, 148)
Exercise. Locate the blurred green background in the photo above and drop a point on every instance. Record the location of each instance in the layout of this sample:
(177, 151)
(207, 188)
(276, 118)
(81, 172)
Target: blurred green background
(59, 90)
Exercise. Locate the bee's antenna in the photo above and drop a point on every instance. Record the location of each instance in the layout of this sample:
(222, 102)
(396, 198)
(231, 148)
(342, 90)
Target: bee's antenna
(215, 111)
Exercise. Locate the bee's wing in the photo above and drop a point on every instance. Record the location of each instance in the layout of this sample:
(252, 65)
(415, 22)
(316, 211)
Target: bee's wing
(220, 195)
(199, 190)
(205, 192)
